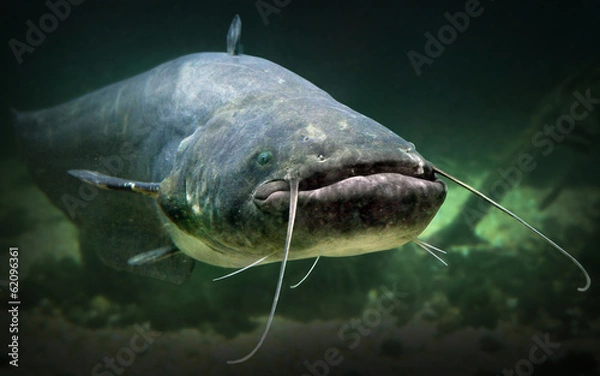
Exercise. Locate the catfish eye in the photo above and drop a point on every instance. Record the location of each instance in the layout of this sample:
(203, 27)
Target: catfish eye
(264, 158)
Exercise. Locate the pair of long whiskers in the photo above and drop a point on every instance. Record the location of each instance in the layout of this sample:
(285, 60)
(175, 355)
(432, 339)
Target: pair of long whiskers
(257, 262)
(294, 183)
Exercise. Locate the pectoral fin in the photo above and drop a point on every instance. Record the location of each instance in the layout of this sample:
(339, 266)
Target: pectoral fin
(153, 255)
(117, 184)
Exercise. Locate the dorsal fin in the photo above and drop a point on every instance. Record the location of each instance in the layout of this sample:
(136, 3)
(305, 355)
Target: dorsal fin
(234, 35)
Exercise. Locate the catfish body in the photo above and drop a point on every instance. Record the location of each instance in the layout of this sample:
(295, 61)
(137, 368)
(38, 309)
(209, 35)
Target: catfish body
(200, 125)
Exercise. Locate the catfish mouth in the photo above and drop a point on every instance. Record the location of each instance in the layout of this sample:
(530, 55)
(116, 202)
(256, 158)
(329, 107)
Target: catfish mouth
(363, 186)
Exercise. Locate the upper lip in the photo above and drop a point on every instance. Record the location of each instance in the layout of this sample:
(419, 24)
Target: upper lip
(328, 177)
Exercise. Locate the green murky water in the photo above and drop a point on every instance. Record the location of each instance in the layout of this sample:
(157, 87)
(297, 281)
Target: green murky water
(484, 102)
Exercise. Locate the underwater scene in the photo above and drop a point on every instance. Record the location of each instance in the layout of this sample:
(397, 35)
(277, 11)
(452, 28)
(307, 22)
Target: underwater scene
(171, 224)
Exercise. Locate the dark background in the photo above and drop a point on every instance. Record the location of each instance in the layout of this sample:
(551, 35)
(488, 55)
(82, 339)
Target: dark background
(355, 50)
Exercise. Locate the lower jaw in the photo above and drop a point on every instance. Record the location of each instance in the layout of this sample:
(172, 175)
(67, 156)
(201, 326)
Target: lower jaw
(373, 201)
(348, 245)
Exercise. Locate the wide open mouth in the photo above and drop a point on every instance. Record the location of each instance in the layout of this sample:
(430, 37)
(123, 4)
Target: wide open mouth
(385, 183)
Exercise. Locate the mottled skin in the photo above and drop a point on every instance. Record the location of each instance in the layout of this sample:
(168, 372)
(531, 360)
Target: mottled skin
(202, 126)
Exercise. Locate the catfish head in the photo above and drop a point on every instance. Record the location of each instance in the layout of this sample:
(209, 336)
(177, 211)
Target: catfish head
(361, 187)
